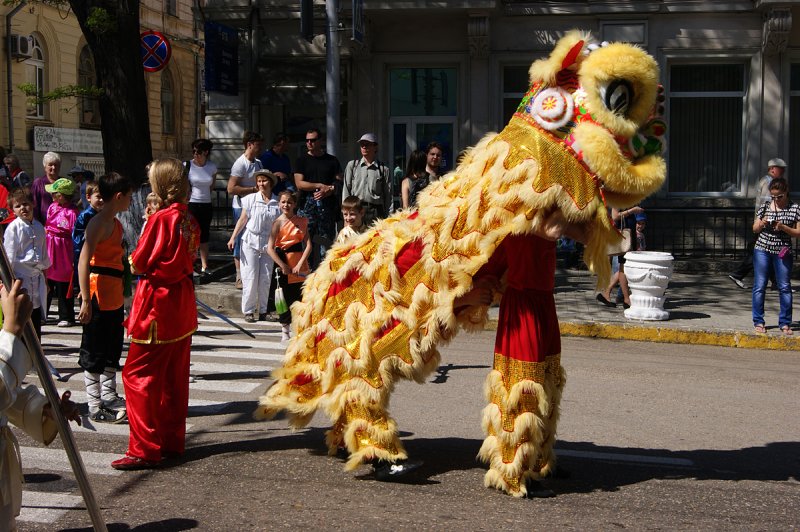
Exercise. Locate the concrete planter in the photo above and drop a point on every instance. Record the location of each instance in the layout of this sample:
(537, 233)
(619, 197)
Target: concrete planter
(648, 274)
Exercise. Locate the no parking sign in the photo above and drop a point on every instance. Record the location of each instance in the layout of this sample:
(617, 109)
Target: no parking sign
(156, 51)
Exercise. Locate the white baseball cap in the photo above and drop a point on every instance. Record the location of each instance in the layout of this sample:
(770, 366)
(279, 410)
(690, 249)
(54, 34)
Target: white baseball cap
(368, 137)
(776, 162)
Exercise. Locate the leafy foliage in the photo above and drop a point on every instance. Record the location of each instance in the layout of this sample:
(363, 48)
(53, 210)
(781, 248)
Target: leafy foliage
(59, 93)
(100, 21)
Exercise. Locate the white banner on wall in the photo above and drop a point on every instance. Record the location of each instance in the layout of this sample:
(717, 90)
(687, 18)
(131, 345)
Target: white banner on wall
(67, 140)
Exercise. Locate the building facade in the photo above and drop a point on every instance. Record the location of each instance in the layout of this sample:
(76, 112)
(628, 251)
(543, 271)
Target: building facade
(453, 70)
(49, 51)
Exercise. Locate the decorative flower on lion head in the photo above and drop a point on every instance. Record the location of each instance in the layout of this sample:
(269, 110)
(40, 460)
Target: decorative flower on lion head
(585, 136)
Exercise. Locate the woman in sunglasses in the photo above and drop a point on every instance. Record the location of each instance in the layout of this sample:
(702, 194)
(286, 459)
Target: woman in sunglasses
(775, 225)
(202, 175)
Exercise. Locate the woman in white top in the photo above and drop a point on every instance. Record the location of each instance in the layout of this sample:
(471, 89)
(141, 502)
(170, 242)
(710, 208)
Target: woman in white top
(259, 211)
(202, 173)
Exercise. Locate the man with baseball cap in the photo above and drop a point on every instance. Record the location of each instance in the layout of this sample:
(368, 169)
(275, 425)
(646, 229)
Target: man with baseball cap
(369, 179)
(775, 168)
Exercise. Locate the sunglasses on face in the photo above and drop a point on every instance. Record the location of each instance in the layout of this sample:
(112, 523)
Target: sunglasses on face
(778, 196)
(198, 152)
(315, 139)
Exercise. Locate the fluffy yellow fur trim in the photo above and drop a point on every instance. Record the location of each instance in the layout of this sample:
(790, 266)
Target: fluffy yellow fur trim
(379, 305)
(519, 439)
(620, 61)
(546, 69)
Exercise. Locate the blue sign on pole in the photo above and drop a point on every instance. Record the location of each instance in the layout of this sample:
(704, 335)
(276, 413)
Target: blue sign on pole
(222, 58)
(156, 51)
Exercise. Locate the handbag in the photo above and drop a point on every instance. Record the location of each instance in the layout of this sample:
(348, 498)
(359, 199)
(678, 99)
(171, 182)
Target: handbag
(616, 249)
(281, 307)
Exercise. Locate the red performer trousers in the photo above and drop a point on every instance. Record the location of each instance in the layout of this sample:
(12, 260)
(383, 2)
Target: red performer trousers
(156, 379)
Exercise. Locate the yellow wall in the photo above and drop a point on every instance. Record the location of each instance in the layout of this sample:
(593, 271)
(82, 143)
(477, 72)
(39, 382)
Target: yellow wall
(61, 37)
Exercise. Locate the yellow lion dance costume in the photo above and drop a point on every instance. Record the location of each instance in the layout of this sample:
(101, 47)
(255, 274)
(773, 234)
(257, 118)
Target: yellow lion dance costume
(377, 307)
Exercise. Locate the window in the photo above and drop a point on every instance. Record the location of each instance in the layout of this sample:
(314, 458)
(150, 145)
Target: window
(171, 7)
(87, 106)
(794, 124)
(167, 104)
(515, 85)
(706, 116)
(34, 74)
(422, 91)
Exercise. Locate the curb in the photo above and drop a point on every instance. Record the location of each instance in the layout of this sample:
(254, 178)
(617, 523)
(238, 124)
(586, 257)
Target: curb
(680, 336)
(667, 335)
(229, 301)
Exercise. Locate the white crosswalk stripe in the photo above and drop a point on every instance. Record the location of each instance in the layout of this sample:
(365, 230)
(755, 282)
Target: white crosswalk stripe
(46, 507)
(56, 460)
(229, 367)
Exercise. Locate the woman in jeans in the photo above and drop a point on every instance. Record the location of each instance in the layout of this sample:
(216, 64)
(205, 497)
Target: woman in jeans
(775, 225)
(202, 174)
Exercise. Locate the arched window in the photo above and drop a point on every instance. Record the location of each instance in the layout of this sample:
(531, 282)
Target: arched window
(167, 104)
(87, 77)
(35, 75)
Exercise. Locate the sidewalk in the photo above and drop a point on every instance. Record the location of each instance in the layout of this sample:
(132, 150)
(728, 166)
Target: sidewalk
(705, 309)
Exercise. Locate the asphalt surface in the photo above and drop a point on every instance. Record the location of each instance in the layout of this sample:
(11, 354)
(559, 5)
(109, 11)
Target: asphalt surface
(704, 309)
(699, 438)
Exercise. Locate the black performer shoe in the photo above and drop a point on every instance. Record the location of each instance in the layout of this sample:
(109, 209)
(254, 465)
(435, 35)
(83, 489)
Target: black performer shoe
(537, 491)
(388, 471)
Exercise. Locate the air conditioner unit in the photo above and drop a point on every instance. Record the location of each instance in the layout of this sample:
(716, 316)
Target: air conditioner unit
(21, 46)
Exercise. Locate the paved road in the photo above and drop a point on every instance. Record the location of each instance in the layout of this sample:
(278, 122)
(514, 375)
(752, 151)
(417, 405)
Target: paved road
(655, 435)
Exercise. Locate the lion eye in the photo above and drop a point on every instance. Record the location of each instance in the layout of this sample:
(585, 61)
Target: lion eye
(618, 96)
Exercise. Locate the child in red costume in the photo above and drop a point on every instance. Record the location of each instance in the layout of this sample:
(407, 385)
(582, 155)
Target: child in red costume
(162, 320)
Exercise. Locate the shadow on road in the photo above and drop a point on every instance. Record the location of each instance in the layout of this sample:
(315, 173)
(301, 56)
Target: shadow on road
(171, 525)
(592, 467)
(606, 468)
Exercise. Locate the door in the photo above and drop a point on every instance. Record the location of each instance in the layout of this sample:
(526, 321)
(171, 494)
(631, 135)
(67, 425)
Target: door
(415, 133)
(423, 109)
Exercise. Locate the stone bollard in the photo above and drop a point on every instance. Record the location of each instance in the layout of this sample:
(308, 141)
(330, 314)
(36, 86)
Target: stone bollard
(648, 274)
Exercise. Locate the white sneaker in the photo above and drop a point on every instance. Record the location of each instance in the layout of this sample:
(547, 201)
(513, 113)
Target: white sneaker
(64, 323)
(285, 333)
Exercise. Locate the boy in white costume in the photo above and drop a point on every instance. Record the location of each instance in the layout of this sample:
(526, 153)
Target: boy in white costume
(21, 405)
(24, 242)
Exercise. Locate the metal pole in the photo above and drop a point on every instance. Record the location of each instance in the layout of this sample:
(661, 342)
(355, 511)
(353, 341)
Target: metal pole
(9, 16)
(222, 317)
(332, 77)
(40, 363)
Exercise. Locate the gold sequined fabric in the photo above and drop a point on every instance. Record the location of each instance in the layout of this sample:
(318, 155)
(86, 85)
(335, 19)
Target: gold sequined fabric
(558, 162)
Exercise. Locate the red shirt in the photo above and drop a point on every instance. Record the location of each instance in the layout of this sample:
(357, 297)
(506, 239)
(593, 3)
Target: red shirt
(164, 308)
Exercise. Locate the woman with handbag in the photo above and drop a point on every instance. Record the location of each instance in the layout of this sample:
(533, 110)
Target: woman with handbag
(775, 224)
(624, 220)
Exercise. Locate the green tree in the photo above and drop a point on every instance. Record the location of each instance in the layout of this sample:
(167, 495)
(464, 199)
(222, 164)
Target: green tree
(111, 28)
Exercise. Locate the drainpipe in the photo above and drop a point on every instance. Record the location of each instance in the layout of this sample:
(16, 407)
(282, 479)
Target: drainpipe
(332, 76)
(251, 91)
(197, 92)
(8, 75)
